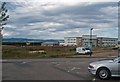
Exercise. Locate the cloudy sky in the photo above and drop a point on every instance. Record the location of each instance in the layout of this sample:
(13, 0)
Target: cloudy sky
(56, 20)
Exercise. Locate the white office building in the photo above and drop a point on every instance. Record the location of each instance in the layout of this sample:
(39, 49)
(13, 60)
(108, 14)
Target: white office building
(84, 41)
(70, 41)
(103, 41)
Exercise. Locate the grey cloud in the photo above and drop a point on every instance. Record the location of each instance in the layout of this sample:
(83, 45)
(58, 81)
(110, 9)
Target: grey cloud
(78, 9)
(81, 16)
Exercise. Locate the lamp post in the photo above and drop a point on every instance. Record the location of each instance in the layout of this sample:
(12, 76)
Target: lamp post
(91, 38)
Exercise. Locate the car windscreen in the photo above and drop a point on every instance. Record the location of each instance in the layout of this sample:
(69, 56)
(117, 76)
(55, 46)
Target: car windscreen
(87, 49)
(116, 59)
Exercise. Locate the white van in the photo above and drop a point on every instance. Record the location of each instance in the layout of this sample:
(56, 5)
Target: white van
(83, 50)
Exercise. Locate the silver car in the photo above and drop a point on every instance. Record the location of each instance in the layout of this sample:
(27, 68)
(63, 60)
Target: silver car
(104, 69)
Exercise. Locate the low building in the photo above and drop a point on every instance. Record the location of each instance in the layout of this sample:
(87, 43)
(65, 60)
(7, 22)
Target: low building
(50, 44)
(61, 43)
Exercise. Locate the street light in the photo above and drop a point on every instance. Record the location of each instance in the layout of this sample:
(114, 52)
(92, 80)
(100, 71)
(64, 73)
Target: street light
(91, 38)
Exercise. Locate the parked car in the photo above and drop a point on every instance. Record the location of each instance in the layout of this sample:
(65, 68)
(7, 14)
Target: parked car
(83, 50)
(104, 69)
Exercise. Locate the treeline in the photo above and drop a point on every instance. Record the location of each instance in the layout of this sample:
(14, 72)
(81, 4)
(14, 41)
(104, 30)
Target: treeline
(22, 43)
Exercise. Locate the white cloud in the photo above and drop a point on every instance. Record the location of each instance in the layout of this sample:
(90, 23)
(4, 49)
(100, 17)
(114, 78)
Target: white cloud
(110, 10)
(6, 33)
(10, 26)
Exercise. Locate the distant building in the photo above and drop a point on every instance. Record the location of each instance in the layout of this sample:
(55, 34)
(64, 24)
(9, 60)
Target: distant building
(70, 41)
(50, 44)
(85, 41)
(61, 43)
(73, 41)
(79, 41)
(103, 41)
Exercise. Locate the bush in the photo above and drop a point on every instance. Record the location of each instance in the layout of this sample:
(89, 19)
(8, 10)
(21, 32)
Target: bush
(37, 52)
(73, 49)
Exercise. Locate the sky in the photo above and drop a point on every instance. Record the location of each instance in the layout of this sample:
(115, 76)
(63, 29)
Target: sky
(58, 19)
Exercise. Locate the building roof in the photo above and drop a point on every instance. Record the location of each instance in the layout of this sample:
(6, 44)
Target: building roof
(50, 42)
(72, 37)
(106, 38)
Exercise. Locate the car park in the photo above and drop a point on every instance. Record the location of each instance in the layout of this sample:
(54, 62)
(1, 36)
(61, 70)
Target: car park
(104, 69)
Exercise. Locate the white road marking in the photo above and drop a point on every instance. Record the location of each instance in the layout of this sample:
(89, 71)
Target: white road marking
(93, 79)
(23, 62)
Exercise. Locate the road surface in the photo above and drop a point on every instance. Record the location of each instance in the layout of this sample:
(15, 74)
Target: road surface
(48, 69)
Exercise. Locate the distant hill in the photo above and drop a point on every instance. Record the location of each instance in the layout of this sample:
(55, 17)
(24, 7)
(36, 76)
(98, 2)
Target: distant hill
(29, 40)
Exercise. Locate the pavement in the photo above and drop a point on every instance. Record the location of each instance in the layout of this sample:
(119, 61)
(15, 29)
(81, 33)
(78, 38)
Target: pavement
(97, 55)
(93, 56)
(48, 69)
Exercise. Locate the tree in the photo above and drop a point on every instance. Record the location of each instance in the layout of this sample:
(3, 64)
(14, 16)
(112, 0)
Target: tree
(3, 16)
